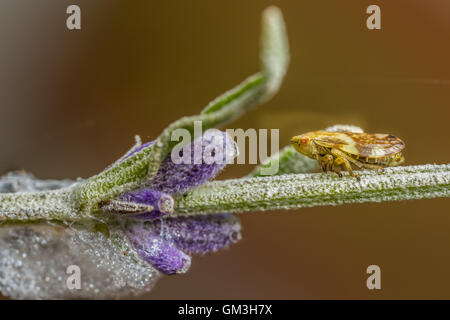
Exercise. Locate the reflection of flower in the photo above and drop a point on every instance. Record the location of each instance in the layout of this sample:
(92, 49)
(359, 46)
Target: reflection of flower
(164, 242)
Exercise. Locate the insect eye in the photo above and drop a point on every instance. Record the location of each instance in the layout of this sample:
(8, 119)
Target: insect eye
(304, 141)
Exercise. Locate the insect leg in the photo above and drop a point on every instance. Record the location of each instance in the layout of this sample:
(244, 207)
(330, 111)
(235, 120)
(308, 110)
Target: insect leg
(337, 168)
(343, 161)
(326, 162)
(337, 153)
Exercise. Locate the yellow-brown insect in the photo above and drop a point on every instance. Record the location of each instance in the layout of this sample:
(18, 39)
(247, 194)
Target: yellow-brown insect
(350, 151)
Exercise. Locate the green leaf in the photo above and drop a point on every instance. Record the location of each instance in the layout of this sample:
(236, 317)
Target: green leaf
(275, 49)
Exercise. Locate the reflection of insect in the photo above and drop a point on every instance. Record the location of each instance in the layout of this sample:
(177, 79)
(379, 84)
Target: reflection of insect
(348, 150)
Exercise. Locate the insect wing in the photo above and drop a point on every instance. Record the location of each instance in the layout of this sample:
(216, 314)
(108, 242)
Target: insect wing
(333, 140)
(373, 145)
(361, 144)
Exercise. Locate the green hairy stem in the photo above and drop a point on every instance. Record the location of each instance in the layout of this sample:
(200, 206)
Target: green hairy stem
(290, 191)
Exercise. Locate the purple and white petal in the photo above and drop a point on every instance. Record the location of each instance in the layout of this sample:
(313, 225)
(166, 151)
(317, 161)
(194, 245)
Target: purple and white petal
(200, 234)
(142, 203)
(162, 254)
(200, 161)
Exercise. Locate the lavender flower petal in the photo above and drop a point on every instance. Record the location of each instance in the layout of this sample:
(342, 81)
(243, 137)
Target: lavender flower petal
(200, 234)
(207, 156)
(144, 203)
(160, 253)
(203, 159)
(163, 242)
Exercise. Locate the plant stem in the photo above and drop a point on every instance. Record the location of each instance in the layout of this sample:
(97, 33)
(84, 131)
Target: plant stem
(307, 190)
(41, 205)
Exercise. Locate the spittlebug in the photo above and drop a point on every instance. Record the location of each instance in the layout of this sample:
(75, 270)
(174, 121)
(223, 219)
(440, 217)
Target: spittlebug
(350, 151)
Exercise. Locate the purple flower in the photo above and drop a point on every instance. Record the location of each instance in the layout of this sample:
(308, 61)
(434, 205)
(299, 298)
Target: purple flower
(159, 252)
(144, 203)
(197, 163)
(183, 169)
(164, 243)
(201, 234)
(162, 240)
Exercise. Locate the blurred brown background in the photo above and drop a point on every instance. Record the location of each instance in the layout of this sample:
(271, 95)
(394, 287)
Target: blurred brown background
(72, 101)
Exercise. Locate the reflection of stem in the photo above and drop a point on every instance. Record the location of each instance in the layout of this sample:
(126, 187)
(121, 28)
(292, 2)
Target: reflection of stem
(307, 190)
